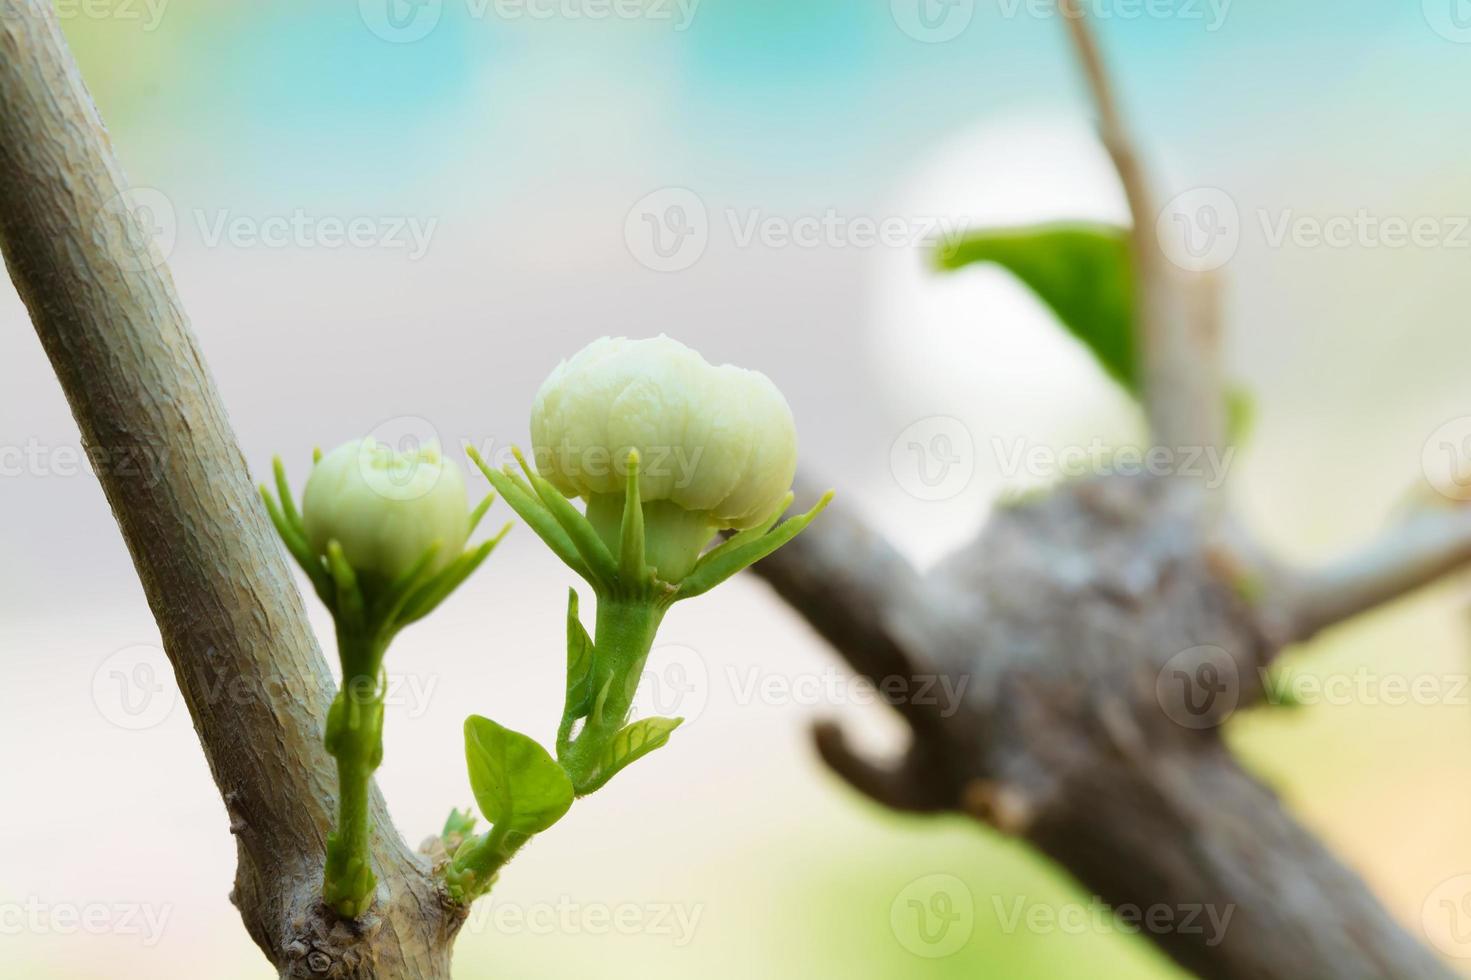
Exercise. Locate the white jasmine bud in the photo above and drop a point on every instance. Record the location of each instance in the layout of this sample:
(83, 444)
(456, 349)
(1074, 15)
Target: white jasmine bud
(385, 508)
(716, 446)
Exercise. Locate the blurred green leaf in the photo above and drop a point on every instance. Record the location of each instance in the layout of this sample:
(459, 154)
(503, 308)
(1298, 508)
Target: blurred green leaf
(1240, 415)
(1082, 272)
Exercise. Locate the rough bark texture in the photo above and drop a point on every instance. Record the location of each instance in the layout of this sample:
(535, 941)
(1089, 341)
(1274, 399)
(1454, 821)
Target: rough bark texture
(232, 622)
(1088, 631)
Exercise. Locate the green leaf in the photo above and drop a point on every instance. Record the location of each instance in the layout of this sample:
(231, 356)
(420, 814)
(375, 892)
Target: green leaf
(517, 784)
(1082, 272)
(631, 744)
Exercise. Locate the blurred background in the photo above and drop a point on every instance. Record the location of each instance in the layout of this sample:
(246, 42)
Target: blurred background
(397, 217)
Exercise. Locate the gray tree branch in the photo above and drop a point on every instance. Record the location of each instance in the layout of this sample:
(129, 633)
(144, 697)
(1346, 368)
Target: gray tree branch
(1177, 310)
(1079, 627)
(257, 688)
(1420, 551)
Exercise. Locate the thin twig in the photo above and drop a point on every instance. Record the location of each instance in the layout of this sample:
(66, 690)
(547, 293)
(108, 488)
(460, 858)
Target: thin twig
(1175, 327)
(1417, 553)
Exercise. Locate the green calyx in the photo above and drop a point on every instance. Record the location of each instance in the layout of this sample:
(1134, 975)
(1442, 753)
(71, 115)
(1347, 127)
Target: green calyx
(625, 548)
(368, 605)
(368, 611)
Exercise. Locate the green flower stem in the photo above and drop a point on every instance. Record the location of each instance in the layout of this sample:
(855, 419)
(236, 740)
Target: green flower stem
(476, 864)
(355, 738)
(624, 634)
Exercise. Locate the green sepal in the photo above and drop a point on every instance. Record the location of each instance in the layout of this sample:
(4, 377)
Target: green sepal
(595, 555)
(523, 500)
(630, 744)
(518, 786)
(427, 597)
(633, 569)
(721, 565)
(741, 538)
(579, 673)
(293, 534)
(350, 610)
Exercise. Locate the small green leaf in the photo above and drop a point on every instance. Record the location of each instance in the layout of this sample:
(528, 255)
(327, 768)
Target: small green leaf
(518, 786)
(631, 744)
(1083, 272)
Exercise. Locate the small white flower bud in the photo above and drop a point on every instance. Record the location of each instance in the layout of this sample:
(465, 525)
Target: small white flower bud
(386, 508)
